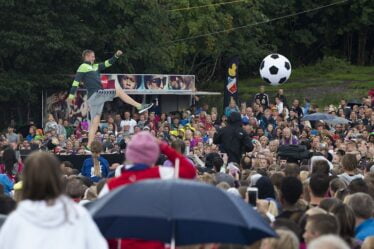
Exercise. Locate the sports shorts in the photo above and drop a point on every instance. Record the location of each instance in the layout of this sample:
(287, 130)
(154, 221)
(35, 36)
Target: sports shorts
(97, 100)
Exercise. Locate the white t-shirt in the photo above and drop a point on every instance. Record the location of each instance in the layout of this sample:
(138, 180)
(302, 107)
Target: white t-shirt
(131, 123)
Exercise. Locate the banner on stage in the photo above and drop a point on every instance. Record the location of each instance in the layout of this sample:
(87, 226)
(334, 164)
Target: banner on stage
(143, 82)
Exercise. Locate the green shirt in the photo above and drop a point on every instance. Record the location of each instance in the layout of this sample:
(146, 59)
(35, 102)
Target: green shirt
(89, 74)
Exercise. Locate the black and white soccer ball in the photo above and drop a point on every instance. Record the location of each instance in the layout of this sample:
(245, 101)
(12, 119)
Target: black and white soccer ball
(275, 69)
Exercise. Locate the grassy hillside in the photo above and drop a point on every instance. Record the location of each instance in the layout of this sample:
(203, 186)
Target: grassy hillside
(324, 83)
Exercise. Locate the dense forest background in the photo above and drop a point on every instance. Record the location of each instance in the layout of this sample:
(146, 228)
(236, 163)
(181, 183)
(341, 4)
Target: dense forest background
(41, 40)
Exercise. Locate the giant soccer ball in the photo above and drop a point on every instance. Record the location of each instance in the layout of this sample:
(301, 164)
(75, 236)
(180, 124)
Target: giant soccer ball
(275, 69)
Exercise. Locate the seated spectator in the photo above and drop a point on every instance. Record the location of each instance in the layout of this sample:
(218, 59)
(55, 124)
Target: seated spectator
(318, 187)
(320, 224)
(362, 205)
(95, 167)
(349, 163)
(46, 214)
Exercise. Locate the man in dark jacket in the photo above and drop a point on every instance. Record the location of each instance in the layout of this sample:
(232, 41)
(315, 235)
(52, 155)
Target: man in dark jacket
(232, 139)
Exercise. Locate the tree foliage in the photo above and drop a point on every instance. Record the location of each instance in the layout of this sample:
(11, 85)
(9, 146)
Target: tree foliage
(41, 40)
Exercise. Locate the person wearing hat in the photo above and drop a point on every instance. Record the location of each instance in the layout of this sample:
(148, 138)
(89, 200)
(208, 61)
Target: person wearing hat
(143, 152)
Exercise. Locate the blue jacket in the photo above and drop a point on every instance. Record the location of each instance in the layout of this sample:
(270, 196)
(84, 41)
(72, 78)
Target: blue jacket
(365, 229)
(7, 183)
(88, 169)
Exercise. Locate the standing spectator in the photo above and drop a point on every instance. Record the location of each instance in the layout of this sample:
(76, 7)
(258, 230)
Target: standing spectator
(32, 133)
(296, 107)
(118, 120)
(318, 186)
(128, 121)
(290, 193)
(232, 139)
(346, 219)
(369, 241)
(45, 218)
(7, 184)
(51, 124)
(68, 128)
(61, 129)
(11, 166)
(362, 205)
(262, 98)
(320, 224)
(266, 120)
(233, 107)
(286, 240)
(280, 105)
(11, 136)
(328, 242)
(281, 96)
(95, 167)
(349, 163)
(143, 151)
(288, 138)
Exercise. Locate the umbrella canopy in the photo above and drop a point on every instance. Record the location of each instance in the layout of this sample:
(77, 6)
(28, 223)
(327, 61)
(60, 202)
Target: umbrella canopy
(318, 116)
(186, 212)
(338, 120)
(353, 102)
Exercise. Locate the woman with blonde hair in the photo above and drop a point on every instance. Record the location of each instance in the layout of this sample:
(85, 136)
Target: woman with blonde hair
(286, 240)
(45, 218)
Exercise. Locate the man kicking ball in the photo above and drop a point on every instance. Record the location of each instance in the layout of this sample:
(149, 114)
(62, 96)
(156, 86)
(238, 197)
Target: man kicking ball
(89, 73)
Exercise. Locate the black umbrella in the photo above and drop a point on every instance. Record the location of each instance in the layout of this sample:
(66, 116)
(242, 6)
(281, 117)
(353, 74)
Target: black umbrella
(353, 102)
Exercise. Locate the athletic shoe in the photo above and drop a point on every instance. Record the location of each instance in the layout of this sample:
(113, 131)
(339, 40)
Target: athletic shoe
(144, 107)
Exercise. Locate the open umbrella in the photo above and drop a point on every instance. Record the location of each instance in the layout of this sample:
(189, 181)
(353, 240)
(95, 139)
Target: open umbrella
(353, 102)
(318, 116)
(338, 120)
(178, 211)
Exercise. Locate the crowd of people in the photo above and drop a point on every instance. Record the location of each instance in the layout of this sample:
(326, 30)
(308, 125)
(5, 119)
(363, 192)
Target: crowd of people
(314, 179)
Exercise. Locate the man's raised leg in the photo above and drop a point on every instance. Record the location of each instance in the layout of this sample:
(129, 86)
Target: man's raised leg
(127, 99)
(94, 125)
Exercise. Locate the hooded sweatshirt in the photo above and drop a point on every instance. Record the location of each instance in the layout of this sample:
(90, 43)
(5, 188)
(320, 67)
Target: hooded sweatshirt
(232, 139)
(63, 225)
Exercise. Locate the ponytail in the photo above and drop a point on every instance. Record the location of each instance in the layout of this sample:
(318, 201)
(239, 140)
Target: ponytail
(96, 149)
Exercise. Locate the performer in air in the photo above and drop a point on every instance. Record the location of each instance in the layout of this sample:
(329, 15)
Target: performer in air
(89, 73)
